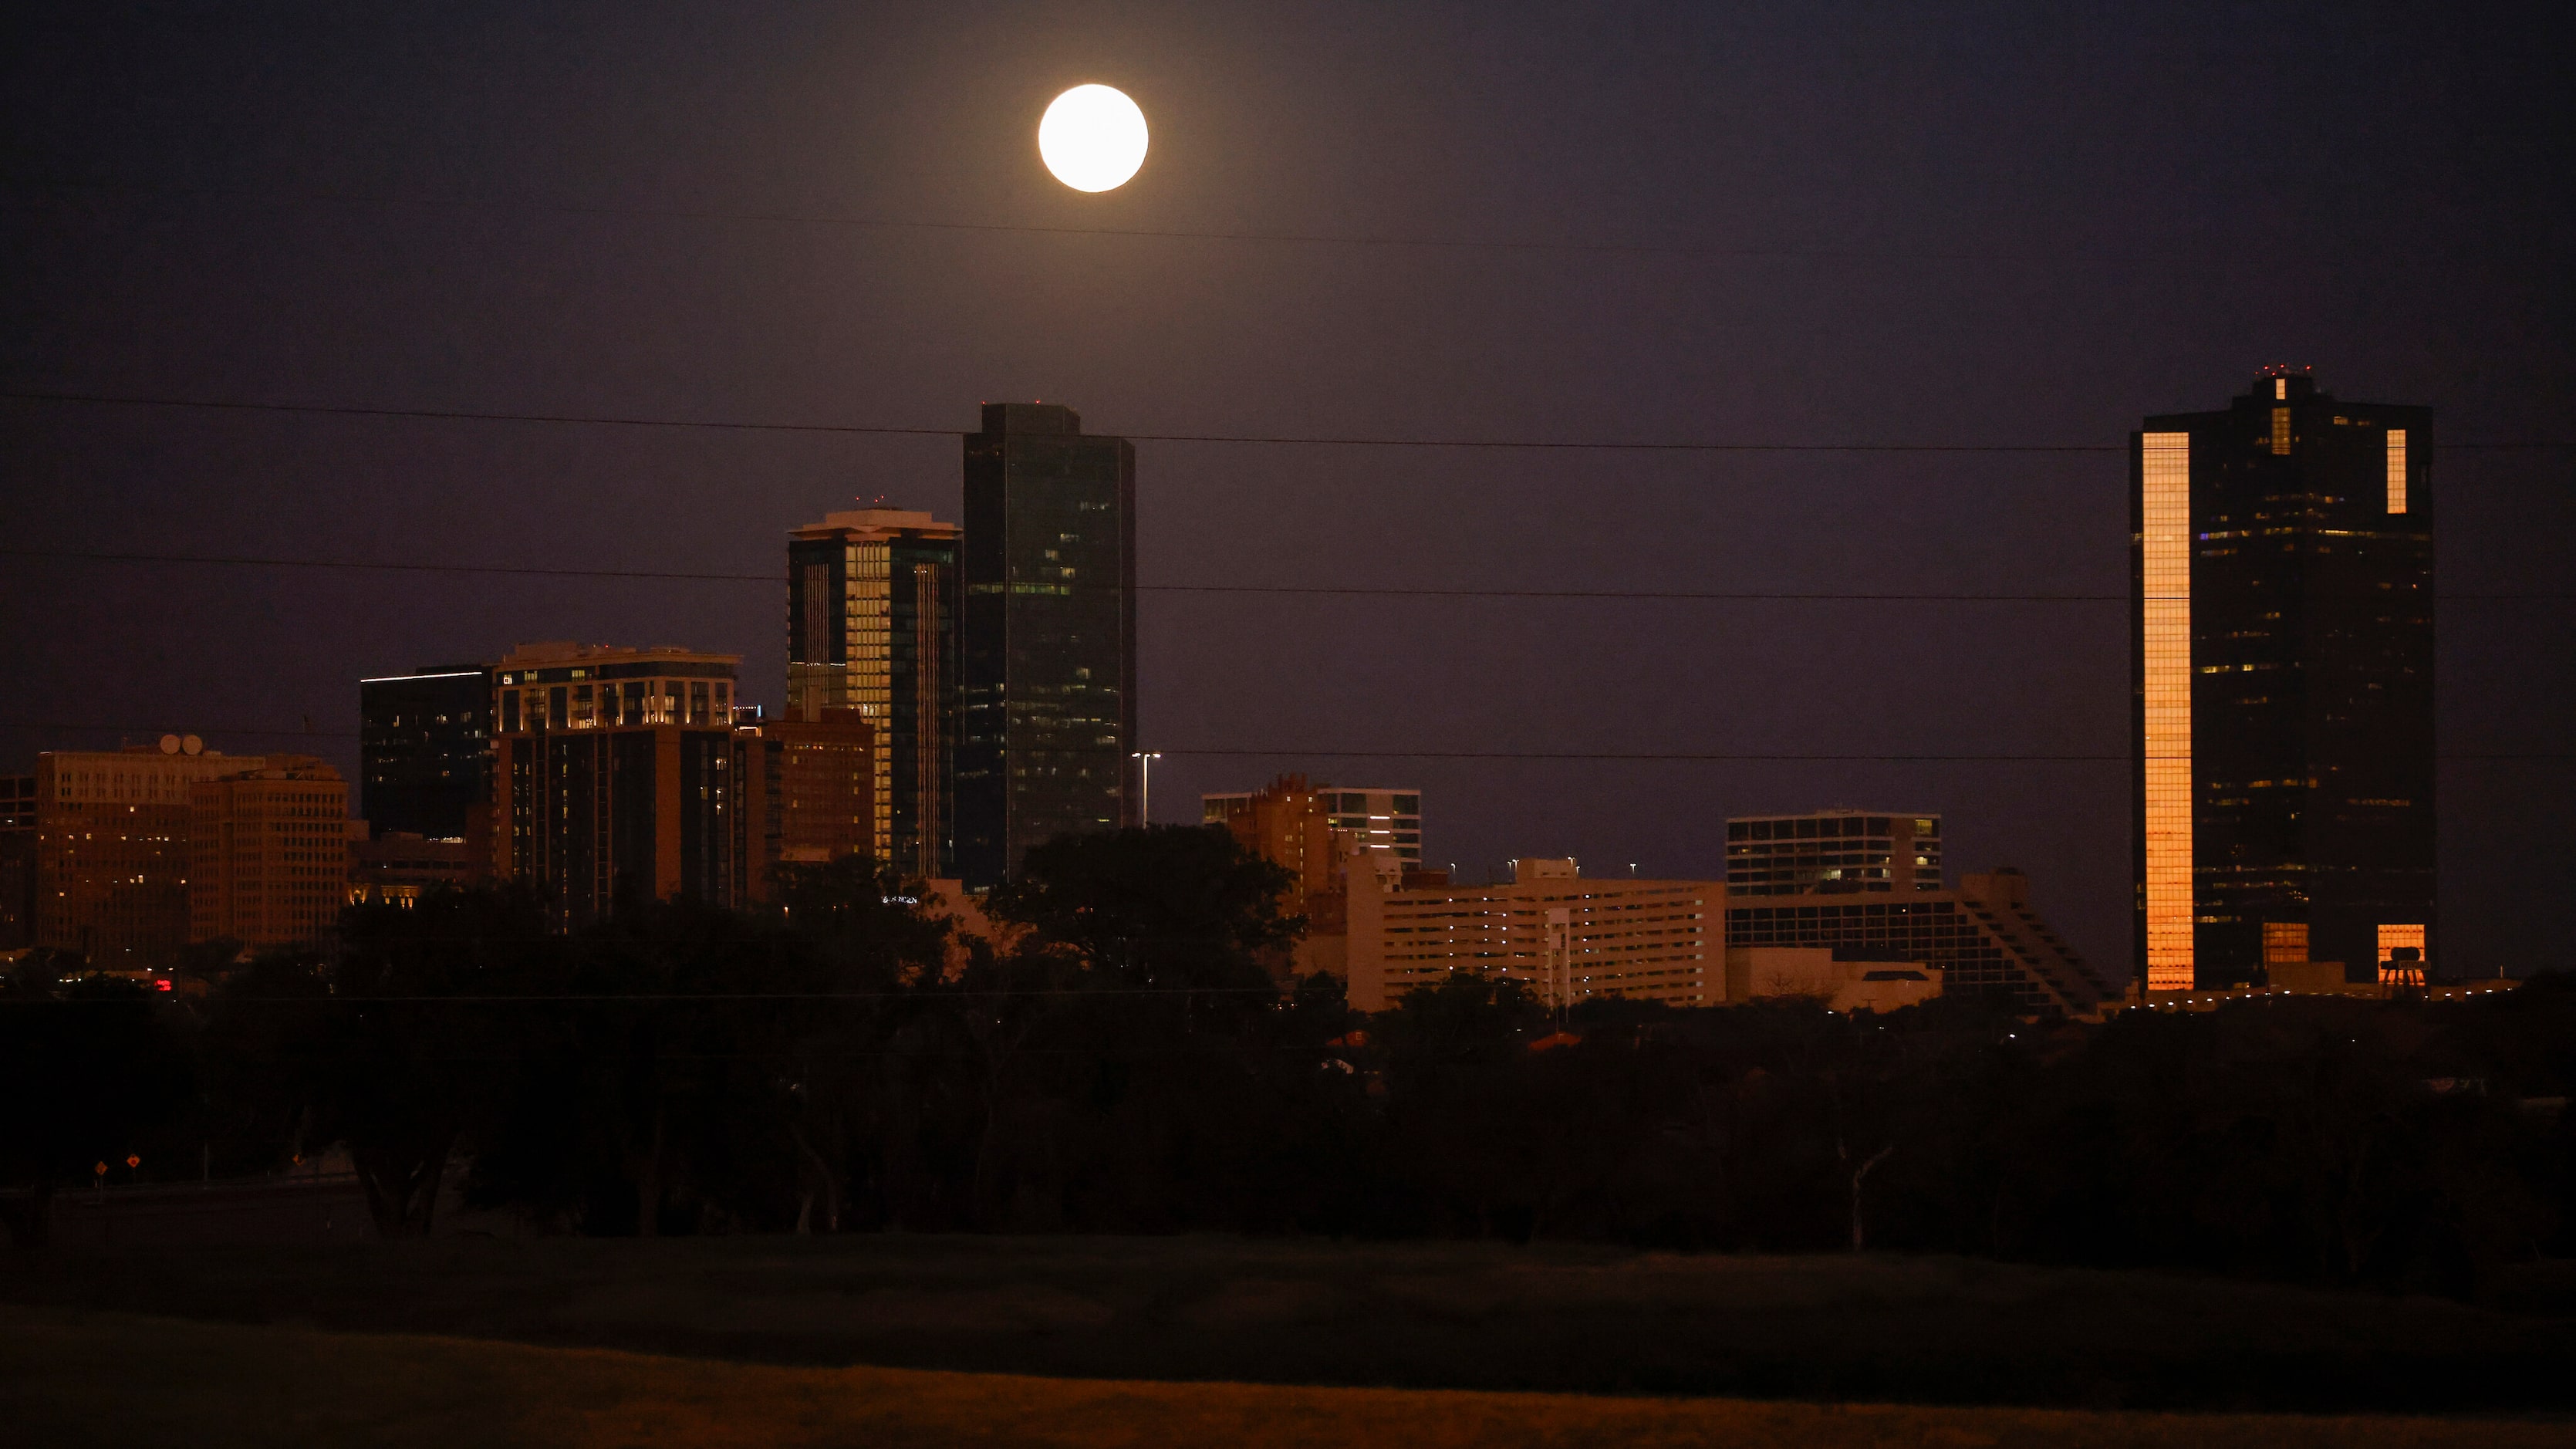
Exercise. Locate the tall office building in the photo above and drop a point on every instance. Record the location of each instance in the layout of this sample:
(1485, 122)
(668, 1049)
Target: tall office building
(1832, 852)
(827, 804)
(2283, 567)
(424, 741)
(872, 614)
(1050, 637)
(268, 853)
(613, 773)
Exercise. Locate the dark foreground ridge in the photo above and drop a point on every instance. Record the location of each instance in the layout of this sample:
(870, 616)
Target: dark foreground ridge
(1424, 1315)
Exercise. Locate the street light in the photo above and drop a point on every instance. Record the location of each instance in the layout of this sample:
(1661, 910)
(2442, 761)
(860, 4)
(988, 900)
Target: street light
(1145, 795)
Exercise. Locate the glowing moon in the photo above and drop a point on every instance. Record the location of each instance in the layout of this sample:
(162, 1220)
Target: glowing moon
(1093, 138)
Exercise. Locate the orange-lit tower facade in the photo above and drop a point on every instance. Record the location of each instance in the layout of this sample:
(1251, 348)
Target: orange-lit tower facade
(2282, 628)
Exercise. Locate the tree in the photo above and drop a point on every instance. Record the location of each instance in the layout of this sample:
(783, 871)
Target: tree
(86, 1068)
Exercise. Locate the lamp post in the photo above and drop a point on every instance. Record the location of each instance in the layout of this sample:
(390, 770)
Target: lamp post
(1145, 794)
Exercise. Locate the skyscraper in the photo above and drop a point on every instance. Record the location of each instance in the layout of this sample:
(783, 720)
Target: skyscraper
(424, 740)
(1050, 636)
(2283, 627)
(872, 625)
(612, 771)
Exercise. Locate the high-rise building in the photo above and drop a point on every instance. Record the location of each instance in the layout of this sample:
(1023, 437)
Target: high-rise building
(424, 742)
(268, 853)
(872, 616)
(1050, 637)
(1983, 938)
(17, 861)
(1832, 852)
(612, 773)
(112, 852)
(2283, 587)
(1567, 938)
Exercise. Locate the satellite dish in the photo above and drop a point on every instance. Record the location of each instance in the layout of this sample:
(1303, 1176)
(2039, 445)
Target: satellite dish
(169, 744)
(193, 745)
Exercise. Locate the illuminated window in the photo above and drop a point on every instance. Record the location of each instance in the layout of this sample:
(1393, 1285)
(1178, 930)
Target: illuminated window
(2397, 470)
(2394, 972)
(2284, 942)
(2165, 475)
(2280, 430)
(2280, 388)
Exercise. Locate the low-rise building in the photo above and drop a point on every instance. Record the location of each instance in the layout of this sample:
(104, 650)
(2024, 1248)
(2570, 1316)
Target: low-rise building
(1568, 938)
(1983, 938)
(398, 868)
(1845, 979)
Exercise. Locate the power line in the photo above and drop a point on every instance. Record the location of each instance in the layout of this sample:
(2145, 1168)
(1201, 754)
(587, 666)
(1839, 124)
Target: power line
(1291, 590)
(2239, 258)
(725, 425)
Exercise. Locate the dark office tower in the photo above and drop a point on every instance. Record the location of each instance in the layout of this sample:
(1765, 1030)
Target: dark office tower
(1050, 636)
(2283, 561)
(872, 627)
(423, 742)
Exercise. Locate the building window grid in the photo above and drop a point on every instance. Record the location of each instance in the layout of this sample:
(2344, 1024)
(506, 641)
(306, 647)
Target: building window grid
(2396, 470)
(2165, 609)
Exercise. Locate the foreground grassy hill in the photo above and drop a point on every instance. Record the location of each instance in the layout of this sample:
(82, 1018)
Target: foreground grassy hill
(74, 1379)
(1461, 1316)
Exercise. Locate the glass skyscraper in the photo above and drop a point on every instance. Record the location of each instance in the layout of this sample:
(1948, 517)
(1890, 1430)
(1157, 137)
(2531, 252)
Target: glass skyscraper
(2283, 636)
(424, 746)
(872, 617)
(1050, 636)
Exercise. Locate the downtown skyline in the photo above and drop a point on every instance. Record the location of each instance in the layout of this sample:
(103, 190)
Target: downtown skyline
(2042, 272)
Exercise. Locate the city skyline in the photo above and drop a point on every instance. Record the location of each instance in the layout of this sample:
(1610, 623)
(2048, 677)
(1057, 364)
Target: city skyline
(2053, 263)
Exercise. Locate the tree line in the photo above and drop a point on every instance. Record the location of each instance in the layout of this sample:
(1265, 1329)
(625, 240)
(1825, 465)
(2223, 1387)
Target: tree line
(1128, 1063)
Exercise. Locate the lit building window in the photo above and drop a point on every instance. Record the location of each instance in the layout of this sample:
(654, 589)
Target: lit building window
(2393, 972)
(2166, 540)
(2280, 430)
(2285, 942)
(2397, 470)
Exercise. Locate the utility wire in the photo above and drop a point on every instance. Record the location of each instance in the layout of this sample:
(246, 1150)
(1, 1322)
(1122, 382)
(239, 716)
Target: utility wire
(2238, 258)
(725, 425)
(1321, 590)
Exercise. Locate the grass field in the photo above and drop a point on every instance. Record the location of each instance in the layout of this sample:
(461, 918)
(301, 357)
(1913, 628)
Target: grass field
(1418, 1316)
(71, 1379)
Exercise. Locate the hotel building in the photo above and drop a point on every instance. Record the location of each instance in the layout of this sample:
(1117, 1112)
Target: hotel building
(1049, 632)
(872, 618)
(1983, 938)
(1567, 938)
(612, 771)
(1832, 851)
(2283, 627)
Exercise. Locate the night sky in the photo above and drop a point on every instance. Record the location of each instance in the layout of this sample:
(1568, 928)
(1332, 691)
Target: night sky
(1864, 224)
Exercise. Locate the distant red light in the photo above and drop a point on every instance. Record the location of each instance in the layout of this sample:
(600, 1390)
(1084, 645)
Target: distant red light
(162, 984)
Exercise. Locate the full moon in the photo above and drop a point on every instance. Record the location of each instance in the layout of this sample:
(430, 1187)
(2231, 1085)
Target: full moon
(1093, 138)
